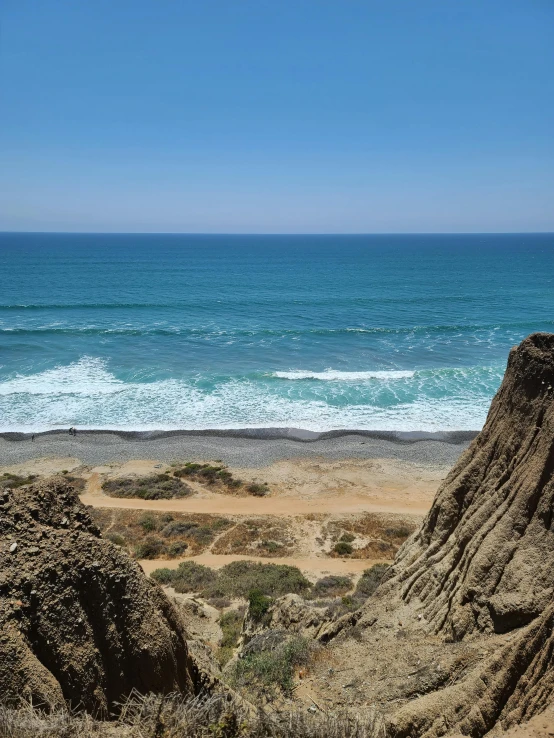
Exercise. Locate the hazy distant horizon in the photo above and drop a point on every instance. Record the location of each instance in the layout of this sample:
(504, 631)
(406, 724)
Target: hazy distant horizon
(282, 233)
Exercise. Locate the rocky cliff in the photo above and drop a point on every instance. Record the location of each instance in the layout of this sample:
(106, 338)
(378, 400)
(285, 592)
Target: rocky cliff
(79, 621)
(484, 558)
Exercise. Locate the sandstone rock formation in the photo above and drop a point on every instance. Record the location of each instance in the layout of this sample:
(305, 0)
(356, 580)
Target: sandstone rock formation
(459, 638)
(79, 621)
(484, 558)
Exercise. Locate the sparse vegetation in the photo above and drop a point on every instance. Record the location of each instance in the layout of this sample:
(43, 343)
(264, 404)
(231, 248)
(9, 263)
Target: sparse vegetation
(155, 487)
(342, 548)
(206, 717)
(15, 480)
(331, 586)
(258, 604)
(237, 579)
(370, 580)
(176, 534)
(230, 624)
(271, 671)
(257, 489)
(209, 474)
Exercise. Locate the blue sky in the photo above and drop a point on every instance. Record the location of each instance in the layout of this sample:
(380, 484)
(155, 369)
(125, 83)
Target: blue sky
(285, 116)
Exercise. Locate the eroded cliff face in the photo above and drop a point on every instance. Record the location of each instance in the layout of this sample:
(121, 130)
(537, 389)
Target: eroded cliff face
(483, 559)
(459, 638)
(79, 621)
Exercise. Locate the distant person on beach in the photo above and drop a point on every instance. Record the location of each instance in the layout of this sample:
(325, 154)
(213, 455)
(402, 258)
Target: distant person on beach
(33, 437)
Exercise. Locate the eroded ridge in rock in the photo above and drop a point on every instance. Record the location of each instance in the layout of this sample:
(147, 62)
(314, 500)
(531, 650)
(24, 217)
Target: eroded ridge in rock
(483, 559)
(79, 621)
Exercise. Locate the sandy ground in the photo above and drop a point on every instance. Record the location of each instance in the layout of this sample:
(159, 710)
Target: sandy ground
(300, 488)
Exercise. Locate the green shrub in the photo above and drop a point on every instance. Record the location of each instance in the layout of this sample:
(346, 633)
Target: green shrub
(163, 576)
(155, 487)
(151, 548)
(177, 548)
(258, 490)
(370, 580)
(331, 586)
(271, 671)
(231, 626)
(343, 548)
(147, 523)
(116, 538)
(258, 604)
(192, 577)
(347, 537)
(241, 577)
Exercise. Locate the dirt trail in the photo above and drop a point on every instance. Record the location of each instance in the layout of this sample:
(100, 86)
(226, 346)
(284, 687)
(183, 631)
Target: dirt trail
(279, 506)
(313, 566)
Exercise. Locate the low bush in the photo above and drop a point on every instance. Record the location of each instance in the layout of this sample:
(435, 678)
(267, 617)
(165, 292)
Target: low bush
(237, 579)
(187, 577)
(370, 580)
(331, 586)
(258, 604)
(347, 537)
(151, 547)
(147, 523)
(155, 487)
(273, 670)
(231, 626)
(258, 490)
(116, 538)
(163, 576)
(342, 548)
(15, 480)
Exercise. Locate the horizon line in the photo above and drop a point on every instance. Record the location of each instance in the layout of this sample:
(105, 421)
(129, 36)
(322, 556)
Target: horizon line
(278, 233)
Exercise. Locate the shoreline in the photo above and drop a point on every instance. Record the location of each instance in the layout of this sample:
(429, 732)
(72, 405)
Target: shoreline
(254, 448)
(297, 434)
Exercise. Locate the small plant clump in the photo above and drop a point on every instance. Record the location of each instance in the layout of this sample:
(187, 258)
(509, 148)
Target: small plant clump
(258, 604)
(155, 487)
(342, 548)
(271, 670)
(257, 489)
(231, 626)
(331, 586)
(13, 481)
(370, 580)
(208, 474)
(187, 577)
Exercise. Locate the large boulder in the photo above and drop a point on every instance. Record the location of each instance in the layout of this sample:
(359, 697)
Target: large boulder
(79, 621)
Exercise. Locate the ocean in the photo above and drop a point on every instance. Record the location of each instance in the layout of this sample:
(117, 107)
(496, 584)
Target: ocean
(315, 332)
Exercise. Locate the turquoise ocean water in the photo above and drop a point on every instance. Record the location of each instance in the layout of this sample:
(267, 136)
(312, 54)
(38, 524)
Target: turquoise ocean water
(315, 332)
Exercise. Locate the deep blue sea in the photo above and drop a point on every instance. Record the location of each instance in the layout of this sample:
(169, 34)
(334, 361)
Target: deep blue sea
(315, 332)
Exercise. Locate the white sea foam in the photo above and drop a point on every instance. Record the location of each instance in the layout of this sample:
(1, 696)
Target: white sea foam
(87, 395)
(332, 375)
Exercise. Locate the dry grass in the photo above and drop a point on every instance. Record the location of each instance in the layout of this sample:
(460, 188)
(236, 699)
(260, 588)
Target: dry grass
(268, 537)
(173, 716)
(371, 536)
(155, 534)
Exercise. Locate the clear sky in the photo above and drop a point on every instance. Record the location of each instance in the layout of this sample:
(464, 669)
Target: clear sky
(277, 116)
